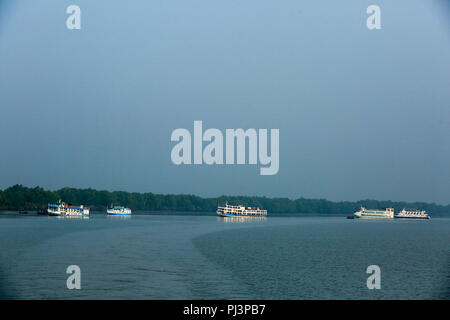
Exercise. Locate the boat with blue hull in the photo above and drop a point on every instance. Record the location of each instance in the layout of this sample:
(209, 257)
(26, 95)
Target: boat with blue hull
(118, 211)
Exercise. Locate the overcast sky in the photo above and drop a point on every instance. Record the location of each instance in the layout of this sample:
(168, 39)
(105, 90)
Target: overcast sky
(362, 113)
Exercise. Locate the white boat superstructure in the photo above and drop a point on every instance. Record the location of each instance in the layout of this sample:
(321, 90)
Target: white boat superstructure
(240, 211)
(64, 209)
(122, 211)
(412, 214)
(364, 213)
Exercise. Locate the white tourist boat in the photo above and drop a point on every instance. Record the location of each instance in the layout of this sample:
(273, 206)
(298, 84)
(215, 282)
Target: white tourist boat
(364, 213)
(412, 214)
(240, 211)
(64, 209)
(118, 211)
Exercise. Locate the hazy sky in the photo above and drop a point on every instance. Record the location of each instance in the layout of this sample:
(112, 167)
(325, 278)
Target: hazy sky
(362, 114)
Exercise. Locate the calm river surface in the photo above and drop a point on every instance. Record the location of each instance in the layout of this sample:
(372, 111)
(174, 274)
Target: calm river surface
(207, 257)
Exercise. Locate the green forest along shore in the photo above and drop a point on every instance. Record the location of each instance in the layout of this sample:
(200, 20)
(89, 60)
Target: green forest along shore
(19, 197)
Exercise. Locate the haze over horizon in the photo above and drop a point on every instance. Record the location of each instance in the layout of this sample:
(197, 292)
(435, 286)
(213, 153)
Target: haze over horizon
(363, 114)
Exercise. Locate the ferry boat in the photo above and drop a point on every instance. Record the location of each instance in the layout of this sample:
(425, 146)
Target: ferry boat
(364, 213)
(240, 211)
(119, 211)
(412, 214)
(64, 209)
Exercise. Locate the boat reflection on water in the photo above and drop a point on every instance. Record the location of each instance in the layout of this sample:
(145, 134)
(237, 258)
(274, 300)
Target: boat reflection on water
(118, 216)
(68, 217)
(241, 219)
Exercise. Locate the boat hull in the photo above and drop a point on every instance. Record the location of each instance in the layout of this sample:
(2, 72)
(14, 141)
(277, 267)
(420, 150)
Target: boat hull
(413, 218)
(118, 214)
(372, 217)
(56, 213)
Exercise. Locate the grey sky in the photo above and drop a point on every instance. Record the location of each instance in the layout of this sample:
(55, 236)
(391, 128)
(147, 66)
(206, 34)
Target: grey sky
(362, 114)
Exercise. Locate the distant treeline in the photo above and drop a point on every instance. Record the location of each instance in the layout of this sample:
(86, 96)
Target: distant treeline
(19, 197)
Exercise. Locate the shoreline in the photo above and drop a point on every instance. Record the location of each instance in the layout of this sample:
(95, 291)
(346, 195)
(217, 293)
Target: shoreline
(21, 198)
(183, 213)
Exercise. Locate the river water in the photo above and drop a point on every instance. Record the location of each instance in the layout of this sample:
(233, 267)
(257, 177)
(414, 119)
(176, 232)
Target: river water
(149, 256)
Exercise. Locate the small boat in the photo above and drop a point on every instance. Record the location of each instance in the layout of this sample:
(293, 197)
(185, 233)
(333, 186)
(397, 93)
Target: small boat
(351, 217)
(42, 212)
(118, 211)
(23, 212)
